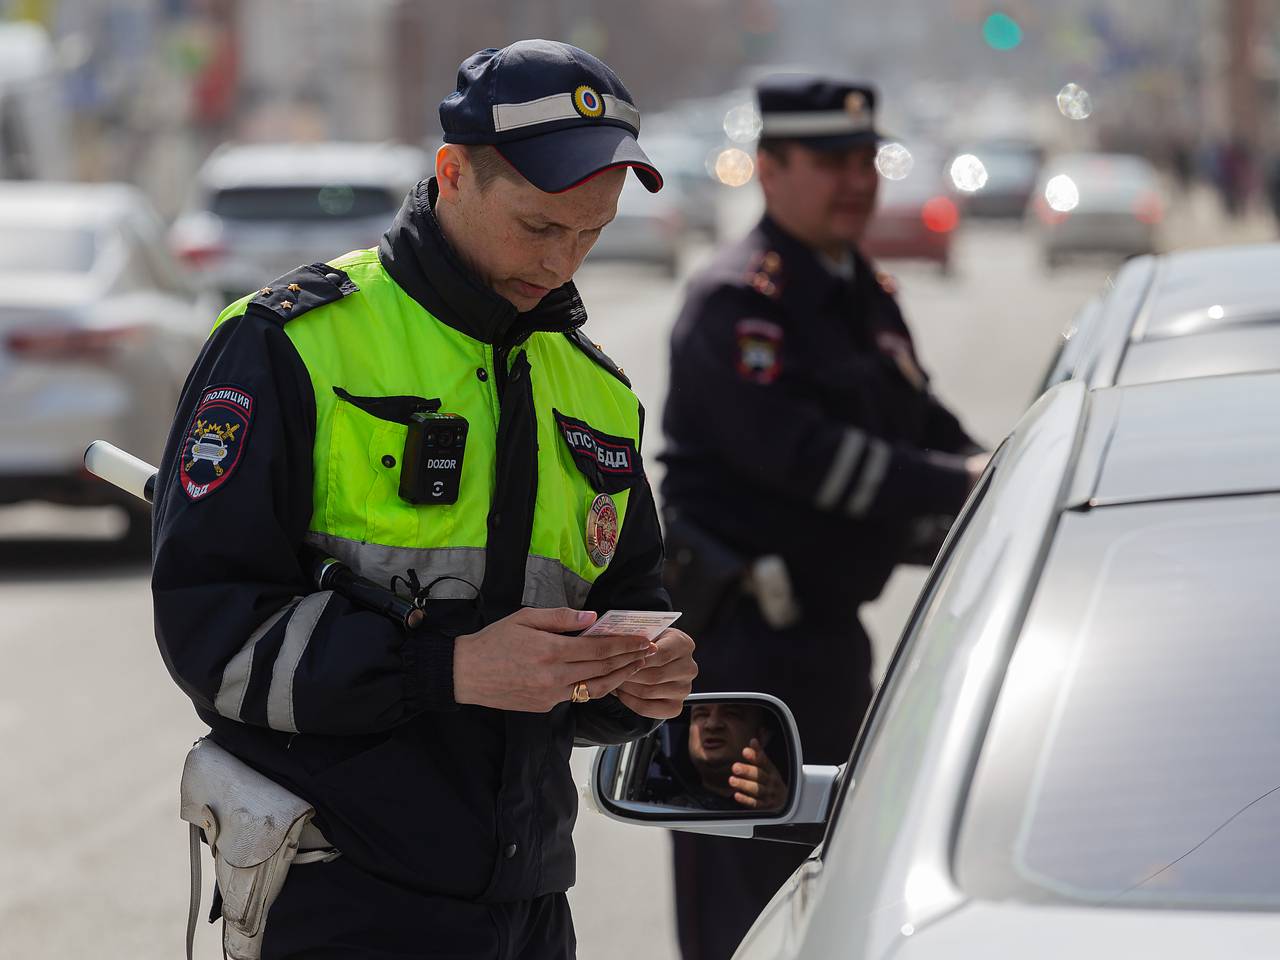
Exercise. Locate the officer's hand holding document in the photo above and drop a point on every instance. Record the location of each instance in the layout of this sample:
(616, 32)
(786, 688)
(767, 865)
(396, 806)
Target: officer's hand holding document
(534, 659)
(658, 689)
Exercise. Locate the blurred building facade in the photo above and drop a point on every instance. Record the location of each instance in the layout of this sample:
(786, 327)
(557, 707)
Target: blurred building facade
(153, 85)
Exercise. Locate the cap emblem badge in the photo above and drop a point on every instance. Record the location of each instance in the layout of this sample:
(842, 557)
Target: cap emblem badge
(855, 103)
(602, 530)
(587, 102)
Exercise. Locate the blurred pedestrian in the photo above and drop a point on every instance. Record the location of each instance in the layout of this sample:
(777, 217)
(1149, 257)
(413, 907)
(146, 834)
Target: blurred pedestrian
(806, 452)
(430, 413)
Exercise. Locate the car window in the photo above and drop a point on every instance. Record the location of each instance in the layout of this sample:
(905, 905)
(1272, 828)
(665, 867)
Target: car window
(133, 272)
(335, 201)
(894, 688)
(1132, 757)
(27, 248)
(161, 270)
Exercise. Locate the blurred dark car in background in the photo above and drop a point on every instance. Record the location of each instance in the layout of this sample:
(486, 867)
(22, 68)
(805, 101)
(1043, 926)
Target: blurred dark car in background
(916, 217)
(260, 210)
(1012, 167)
(1098, 203)
(1193, 313)
(98, 327)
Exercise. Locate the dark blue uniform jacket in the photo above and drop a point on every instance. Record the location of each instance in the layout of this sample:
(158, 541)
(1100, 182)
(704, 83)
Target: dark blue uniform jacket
(799, 422)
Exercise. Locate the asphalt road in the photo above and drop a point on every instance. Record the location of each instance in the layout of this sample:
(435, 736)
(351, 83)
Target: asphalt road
(93, 732)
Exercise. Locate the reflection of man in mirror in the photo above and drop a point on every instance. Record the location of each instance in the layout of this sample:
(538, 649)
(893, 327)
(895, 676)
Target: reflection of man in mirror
(727, 744)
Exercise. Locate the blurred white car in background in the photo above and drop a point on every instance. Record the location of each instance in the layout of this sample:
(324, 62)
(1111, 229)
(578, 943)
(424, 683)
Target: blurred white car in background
(683, 162)
(649, 227)
(1011, 165)
(98, 328)
(1110, 203)
(260, 210)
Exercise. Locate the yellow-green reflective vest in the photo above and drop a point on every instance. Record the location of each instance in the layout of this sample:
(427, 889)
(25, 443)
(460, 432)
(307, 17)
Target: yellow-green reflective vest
(380, 343)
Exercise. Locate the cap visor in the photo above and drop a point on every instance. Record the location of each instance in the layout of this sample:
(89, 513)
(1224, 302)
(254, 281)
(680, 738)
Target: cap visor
(563, 159)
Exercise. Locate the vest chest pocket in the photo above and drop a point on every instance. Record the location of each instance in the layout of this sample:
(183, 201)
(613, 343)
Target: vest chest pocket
(365, 458)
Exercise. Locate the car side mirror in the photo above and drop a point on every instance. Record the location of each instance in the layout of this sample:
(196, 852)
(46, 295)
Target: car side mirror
(729, 765)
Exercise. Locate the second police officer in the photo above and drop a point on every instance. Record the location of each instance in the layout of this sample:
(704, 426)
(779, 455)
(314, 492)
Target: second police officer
(806, 457)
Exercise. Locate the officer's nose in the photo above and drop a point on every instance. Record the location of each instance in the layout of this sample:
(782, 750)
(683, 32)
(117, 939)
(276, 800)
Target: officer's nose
(563, 257)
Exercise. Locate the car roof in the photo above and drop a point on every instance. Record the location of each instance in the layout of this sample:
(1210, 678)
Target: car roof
(291, 164)
(68, 204)
(1180, 439)
(1198, 290)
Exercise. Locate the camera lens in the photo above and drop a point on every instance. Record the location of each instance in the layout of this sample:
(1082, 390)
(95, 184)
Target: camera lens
(446, 439)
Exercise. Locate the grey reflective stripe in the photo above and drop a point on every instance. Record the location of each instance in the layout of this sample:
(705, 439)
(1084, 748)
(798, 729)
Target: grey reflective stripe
(558, 106)
(549, 583)
(873, 471)
(842, 465)
(380, 563)
(808, 123)
(302, 623)
(235, 677)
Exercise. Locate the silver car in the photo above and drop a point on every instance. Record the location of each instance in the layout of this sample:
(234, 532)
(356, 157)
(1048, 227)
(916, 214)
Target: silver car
(1193, 313)
(260, 210)
(1097, 203)
(1073, 752)
(98, 328)
(648, 228)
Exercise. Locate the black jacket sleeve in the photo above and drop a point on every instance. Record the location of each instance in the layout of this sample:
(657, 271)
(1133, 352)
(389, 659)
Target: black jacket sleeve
(776, 431)
(632, 581)
(242, 629)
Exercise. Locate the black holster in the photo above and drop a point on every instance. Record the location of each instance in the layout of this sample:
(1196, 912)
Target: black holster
(703, 575)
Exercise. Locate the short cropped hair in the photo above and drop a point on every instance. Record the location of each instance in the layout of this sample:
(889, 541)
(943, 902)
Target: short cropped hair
(776, 147)
(489, 165)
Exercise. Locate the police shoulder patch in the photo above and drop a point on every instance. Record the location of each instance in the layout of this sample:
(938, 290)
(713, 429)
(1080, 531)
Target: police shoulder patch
(759, 349)
(592, 350)
(214, 443)
(305, 288)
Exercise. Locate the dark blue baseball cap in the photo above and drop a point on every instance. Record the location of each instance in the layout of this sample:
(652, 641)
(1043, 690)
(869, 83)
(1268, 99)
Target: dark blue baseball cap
(556, 113)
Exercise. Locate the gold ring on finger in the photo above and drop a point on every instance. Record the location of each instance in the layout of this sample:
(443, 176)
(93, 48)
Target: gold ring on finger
(580, 693)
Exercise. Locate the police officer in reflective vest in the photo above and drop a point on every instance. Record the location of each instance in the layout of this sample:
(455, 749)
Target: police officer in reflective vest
(431, 413)
(806, 457)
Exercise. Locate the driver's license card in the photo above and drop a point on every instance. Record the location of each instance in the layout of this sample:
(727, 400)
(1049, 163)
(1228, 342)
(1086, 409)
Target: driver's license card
(633, 623)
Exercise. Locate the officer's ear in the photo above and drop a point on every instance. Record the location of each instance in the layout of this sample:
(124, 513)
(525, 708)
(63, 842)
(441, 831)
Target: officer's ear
(772, 158)
(451, 166)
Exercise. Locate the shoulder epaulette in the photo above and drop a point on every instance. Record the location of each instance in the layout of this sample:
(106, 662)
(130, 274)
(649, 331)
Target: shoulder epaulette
(300, 290)
(764, 273)
(592, 350)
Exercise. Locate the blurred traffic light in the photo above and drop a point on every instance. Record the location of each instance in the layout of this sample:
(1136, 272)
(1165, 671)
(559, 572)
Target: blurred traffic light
(1001, 32)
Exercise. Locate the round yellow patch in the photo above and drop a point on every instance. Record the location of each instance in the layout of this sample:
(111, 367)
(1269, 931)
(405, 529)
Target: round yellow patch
(587, 102)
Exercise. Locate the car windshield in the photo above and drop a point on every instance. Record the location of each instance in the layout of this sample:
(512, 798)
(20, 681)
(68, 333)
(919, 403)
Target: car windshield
(31, 248)
(334, 201)
(1130, 760)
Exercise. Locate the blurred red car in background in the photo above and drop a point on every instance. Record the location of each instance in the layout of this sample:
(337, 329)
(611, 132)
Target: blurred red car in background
(915, 217)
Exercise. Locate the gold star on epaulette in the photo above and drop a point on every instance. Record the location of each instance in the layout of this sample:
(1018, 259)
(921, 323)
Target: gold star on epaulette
(761, 283)
(286, 305)
(264, 292)
(294, 288)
